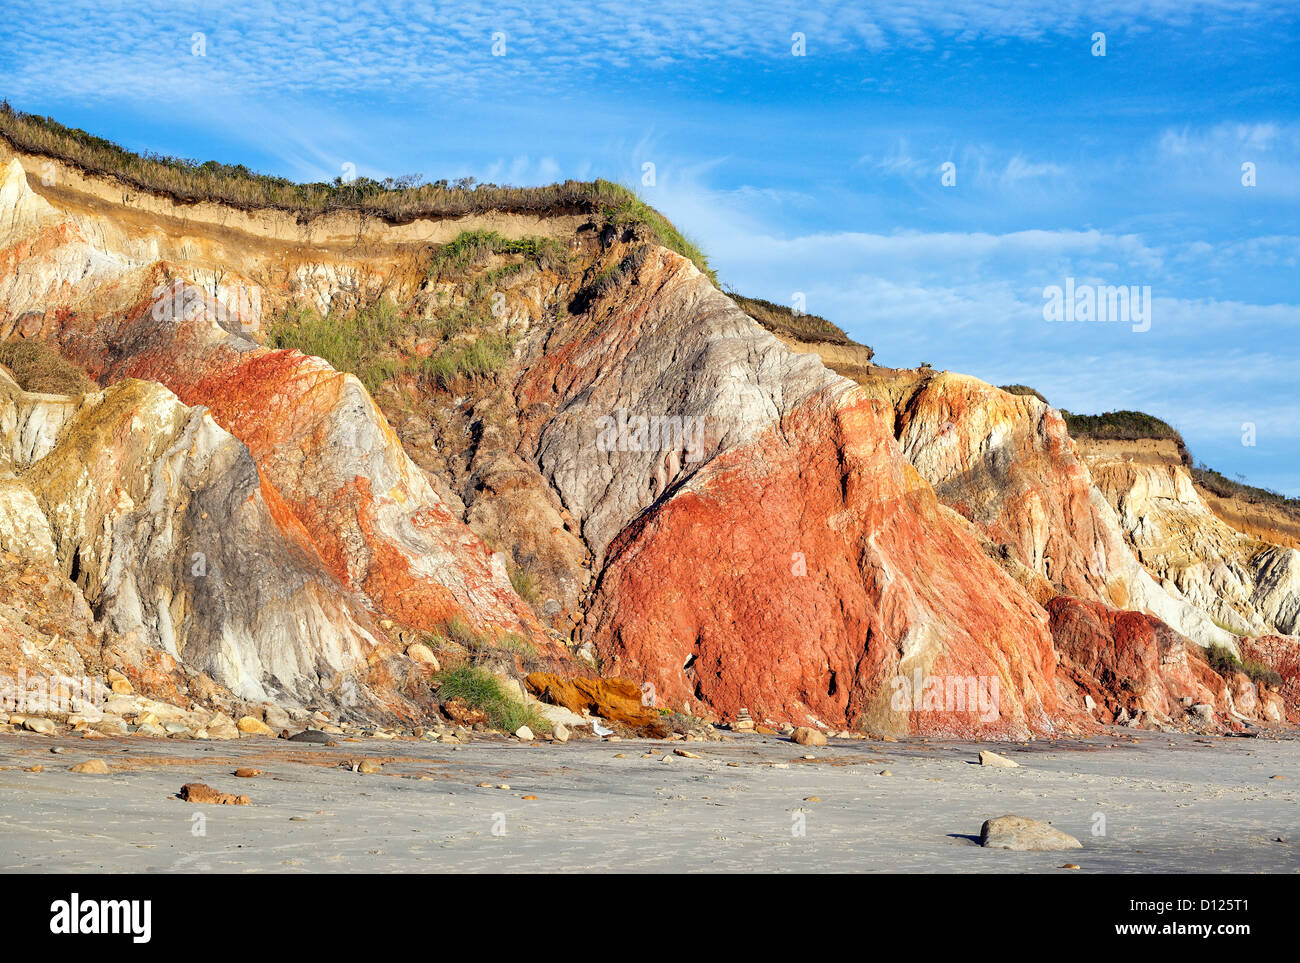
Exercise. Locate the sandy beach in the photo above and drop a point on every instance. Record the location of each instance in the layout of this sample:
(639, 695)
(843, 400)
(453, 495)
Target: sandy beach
(1138, 802)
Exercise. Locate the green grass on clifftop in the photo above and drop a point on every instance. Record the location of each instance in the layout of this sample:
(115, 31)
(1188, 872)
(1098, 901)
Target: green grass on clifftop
(1138, 425)
(1024, 390)
(800, 326)
(397, 200)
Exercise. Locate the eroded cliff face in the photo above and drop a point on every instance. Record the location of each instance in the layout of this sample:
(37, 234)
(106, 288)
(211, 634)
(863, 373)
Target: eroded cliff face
(1245, 583)
(1008, 464)
(695, 506)
(1116, 550)
(163, 523)
(773, 564)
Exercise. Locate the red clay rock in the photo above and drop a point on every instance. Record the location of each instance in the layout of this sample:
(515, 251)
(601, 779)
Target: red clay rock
(1133, 661)
(788, 579)
(1007, 463)
(197, 792)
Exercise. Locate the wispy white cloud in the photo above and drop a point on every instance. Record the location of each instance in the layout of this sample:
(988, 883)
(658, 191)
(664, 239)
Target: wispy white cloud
(145, 49)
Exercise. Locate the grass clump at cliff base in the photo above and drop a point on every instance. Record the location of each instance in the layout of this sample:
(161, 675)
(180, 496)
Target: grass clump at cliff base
(1223, 661)
(481, 690)
(39, 368)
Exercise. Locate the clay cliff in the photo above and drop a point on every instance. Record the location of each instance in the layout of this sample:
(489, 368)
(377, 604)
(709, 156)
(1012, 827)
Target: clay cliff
(314, 442)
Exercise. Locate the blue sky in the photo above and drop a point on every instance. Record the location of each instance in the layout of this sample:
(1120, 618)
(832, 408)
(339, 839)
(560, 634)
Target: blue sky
(818, 174)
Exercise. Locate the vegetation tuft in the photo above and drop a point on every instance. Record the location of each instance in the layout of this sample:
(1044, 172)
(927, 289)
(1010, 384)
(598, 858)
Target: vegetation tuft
(38, 367)
(779, 319)
(1024, 390)
(396, 200)
(369, 343)
(1223, 661)
(483, 691)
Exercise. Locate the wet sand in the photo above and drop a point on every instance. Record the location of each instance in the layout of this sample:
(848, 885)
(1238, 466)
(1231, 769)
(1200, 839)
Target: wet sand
(1198, 805)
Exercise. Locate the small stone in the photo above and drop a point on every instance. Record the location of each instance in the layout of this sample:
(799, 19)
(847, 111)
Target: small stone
(245, 772)
(1070, 866)
(503, 785)
(993, 759)
(1024, 834)
(197, 792)
(685, 754)
(43, 726)
(805, 736)
(370, 766)
(421, 653)
(485, 785)
(277, 718)
(36, 768)
(92, 767)
(110, 726)
(885, 772)
(524, 734)
(310, 735)
(560, 732)
(254, 727)
(531, 798)
(813, 799)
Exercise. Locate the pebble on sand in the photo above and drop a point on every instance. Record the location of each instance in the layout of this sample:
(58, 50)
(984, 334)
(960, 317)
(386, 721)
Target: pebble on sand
(805, 736)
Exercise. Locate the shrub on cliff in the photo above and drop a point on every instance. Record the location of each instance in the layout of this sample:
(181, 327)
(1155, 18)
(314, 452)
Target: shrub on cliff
(38, 367)
(1223, 661)
(1024, 390)
(481, 690)
(366, 342)
(779, 319)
